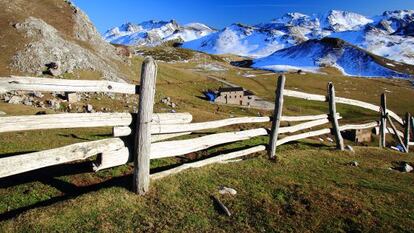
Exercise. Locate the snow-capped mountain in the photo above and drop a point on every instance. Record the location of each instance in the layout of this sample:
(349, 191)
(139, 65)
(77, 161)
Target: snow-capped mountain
(313, 54)
(152, 33)
(339, 21)
(389, 35)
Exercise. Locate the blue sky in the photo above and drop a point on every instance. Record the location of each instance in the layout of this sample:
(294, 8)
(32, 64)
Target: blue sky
(220, 13)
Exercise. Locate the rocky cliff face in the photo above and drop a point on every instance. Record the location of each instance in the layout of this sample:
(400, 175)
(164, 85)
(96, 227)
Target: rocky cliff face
(70, 40)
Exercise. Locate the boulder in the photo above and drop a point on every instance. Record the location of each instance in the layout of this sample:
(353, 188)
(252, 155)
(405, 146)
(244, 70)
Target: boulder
(15, 100)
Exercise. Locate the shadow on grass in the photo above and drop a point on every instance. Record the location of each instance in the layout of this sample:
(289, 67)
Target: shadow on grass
(49, 176)
(71, 191)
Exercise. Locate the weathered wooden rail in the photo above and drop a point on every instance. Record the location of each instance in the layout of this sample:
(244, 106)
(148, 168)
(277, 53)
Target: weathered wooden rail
(149, 132)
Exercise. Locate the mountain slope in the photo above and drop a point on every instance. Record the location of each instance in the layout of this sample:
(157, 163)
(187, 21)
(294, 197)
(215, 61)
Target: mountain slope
(389, 35)
(36, 33)
(152, 33)
(329, 52)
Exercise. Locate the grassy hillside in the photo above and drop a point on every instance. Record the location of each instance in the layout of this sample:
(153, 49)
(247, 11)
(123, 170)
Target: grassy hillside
(312, 187)
(309, 190)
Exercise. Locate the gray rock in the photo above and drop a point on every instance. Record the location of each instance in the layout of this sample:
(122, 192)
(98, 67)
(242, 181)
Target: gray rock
(173, 105)
(407, 168)
(38, 94)
(89, 108)
(28, 102)
(55, 72)
(354, 163)
(46, 44)
(226, 190)
(72, 97)
(54, 104)
(2, 113)
(15, 100)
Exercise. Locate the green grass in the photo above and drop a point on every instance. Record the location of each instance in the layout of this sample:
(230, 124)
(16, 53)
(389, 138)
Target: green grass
(307, 190)
(311, 188)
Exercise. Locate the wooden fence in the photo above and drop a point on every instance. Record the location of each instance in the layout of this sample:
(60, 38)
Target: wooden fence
(142, 137)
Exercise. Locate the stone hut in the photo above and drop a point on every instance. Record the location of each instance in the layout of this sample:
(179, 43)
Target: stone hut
(235, 95)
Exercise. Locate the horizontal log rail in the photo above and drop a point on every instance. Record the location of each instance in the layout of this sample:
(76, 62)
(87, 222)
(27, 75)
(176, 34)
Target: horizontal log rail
(82, 120)
(323, 132)
(369, 125)
(181, 147)
(17, 164)
(16, 83)
(304, 118)
(192, 127)
(208, 161)
(341, 100)
(179, 128)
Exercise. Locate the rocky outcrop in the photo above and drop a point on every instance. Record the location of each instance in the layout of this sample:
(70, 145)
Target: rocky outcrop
(48, 46)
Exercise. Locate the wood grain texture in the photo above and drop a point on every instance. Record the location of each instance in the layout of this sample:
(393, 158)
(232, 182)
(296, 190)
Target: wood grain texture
(383, 121)
(333, 118)
(110, 159)
(28, 162)
(305, 118)
(16, 83)
(277, 115)
(82, 120)
(142, 145)
(341, 100)
(407, 131)
(397, 136)
(179, 128)
(181, 147)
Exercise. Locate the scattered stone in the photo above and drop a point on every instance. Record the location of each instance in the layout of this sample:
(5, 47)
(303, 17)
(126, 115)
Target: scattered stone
(72, 97)
(28, 102)
(226, 190)
(407, 168)
(2, 113)
(173, 105)
(54, 104)
(15, 100)
(38, 94)
(321, 139)
(89, 108)
(329, 139)
(350, 148)
(354, 163)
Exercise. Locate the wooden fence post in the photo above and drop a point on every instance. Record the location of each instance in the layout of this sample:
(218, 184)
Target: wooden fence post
(277, 115)
(142, 143)
(407, 131)
(397, 136)
(334, 118)
(383, 121)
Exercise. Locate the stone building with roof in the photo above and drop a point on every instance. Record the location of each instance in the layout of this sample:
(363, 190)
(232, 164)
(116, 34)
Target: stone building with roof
(235, 95)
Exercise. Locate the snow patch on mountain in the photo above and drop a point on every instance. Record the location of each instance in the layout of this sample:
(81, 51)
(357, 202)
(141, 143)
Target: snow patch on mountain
(152, 33)
(389, 35)
(239, 39)
(339, 21)
(329, 52)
